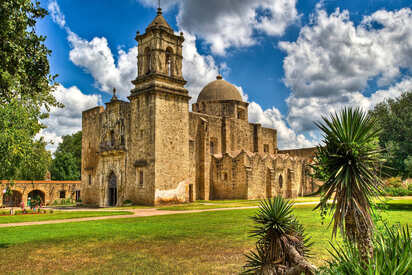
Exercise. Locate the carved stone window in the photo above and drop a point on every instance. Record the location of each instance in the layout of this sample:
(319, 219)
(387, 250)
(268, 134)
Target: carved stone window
(141, 178)
(90, 179)
(280, 181)
(212, 147)
(266, 148)
(169, 66)
(148, 62)
(112, 138)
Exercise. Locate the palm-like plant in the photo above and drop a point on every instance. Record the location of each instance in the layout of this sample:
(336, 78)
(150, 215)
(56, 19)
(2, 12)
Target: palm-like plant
(392, 255)
(349, 160)
(282, 244)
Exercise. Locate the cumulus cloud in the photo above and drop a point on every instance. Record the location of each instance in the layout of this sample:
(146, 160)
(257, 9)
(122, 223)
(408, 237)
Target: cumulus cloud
(224, 23)
(56, 14)
(67, 120)
(96, 58)
(333, 61)
(272, 118)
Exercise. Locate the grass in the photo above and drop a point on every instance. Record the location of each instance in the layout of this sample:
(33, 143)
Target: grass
(200, 205)
(189, 243)
(57, 215)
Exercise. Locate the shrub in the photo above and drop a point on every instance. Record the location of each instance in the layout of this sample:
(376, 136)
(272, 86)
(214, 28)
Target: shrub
(397, 191)
(394, 182)
(282, 244)
(392, 254)
(127, 203)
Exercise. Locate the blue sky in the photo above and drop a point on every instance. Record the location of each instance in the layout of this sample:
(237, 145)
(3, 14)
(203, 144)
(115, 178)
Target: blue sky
(293, 60)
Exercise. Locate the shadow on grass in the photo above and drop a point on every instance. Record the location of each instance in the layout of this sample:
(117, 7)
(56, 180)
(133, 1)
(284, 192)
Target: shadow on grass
(394, 206)
(4, 245)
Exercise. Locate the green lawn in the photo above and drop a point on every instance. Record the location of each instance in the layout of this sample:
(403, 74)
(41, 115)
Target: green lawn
(198, 205)
(191, 243)
(59, 215)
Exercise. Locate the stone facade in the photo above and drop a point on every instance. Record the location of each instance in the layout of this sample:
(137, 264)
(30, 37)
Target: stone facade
(152, 150)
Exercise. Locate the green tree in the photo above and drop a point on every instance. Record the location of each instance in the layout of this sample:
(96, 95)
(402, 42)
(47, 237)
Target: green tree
(66, 164)
(349, 158)
(18, 126)
(24, 67)
(25, 83)
(36, 164)
(395, 118)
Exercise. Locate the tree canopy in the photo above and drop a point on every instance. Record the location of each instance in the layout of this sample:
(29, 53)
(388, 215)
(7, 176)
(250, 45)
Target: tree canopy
(66, 164)
(395, 118)
(26, 85)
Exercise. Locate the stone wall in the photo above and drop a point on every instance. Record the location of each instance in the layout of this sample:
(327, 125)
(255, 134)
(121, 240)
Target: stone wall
(308, 153)
(50, 191)
(141, 149)
(256, 175)
(171, 142)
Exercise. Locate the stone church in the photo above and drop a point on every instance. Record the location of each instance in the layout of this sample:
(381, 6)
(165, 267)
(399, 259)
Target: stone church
(152, 150)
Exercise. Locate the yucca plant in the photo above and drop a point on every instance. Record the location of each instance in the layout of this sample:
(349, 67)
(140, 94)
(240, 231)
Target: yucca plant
(392, 255)
(282, 245)
(349, 159)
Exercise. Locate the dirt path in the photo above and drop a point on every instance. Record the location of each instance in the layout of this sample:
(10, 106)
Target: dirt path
(136, 213)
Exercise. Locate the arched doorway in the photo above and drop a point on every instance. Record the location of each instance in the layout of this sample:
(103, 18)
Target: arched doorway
(112, 189)
(13, 199)
(36, 196)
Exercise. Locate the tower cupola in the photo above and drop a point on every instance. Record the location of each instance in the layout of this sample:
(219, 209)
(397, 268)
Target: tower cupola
(159, 57)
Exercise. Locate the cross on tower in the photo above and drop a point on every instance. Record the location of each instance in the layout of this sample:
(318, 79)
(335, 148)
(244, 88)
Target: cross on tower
(114, 95)
(159, 10)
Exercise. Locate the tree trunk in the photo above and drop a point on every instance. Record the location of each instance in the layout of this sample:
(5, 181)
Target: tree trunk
(300, 265)
(359, 233)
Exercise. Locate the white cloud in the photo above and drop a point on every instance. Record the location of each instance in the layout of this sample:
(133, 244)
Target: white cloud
(56, 14)
(332, 61)
(272, 118)
(67, 120)
(224, 23)
(96, 58)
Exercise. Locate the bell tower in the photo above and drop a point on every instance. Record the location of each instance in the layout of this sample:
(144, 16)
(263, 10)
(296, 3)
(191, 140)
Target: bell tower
(159, 57)
(160, 113)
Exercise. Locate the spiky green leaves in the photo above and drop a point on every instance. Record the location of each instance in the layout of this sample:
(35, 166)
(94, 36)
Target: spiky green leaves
(277, 231)
(392, 254)
(350, 159)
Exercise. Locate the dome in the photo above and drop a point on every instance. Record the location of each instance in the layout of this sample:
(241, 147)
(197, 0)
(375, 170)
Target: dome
(219, 90)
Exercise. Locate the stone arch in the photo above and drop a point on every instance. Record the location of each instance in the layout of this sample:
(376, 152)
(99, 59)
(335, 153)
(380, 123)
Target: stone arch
(148, 61)
(112, 189)
(37, 194)
(169, 61)
(13, 199)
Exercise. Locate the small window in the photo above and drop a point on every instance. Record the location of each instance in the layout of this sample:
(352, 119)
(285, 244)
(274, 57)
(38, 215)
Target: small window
(112, 138)
(77, 195)
(280, 181)
(141, 182)
(90, 179)
(266, 148)
(225, 176)
(212, 147)
(62, 194)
